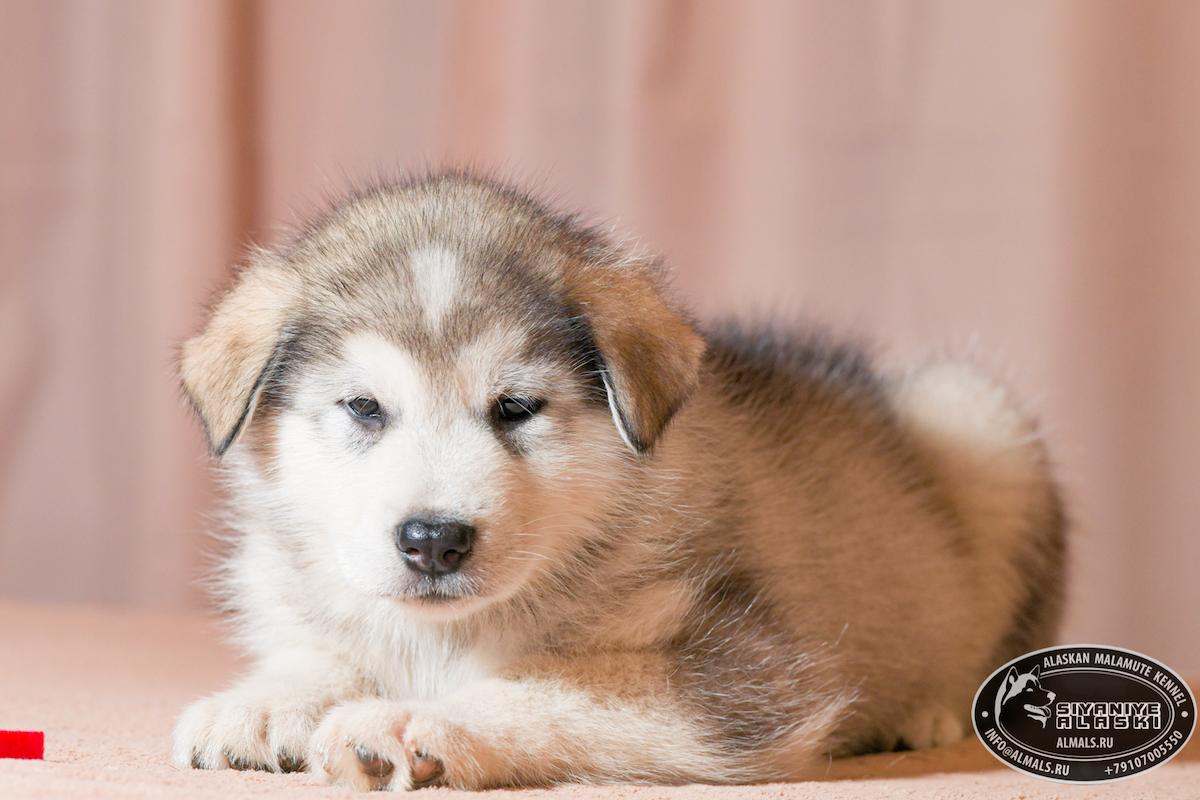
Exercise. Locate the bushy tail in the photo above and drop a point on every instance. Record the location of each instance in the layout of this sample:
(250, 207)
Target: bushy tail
(988, 455)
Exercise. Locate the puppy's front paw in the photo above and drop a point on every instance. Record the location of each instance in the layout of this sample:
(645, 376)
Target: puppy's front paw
(245, 728)
(931, 727)
(379, 744)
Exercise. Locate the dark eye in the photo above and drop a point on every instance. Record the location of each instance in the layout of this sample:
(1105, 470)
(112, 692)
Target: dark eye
(364, 408)
(514, 410)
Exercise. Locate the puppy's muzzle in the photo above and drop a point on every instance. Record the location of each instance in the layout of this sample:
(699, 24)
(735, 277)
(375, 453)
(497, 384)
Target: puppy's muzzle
(434, 548)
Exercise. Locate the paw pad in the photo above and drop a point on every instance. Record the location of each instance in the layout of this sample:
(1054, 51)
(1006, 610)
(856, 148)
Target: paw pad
(240, 764)
(289, 763)
(424, 768)
(373, 764)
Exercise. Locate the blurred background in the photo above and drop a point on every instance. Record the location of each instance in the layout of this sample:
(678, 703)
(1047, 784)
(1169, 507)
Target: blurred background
(1021, 177)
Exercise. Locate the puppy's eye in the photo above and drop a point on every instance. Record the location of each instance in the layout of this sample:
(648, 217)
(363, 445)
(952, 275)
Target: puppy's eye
(514, 410)
(364, 408)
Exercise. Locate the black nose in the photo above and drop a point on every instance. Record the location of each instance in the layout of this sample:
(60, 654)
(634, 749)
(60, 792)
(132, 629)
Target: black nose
(434, 548)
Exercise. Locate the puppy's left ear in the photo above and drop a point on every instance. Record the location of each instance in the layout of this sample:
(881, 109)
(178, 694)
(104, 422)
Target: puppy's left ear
(651, 354)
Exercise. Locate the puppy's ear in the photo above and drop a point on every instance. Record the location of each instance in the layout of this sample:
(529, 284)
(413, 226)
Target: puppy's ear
(649, 351)
(224, 367)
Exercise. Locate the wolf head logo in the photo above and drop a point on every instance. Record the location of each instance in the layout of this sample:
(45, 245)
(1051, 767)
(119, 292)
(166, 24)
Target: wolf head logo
(1021, 693)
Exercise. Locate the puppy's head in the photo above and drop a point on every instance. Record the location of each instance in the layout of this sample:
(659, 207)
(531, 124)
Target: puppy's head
(437, 386)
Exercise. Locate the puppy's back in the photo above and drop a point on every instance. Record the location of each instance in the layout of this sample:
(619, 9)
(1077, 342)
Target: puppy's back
(886, 518)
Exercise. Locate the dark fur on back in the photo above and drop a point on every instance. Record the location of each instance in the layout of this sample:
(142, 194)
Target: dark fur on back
(762, 366)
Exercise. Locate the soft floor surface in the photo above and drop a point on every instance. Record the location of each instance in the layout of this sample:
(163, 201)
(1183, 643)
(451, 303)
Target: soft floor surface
(106, 688)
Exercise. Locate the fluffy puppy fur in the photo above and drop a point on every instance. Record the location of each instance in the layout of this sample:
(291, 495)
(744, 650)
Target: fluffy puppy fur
(709, 556)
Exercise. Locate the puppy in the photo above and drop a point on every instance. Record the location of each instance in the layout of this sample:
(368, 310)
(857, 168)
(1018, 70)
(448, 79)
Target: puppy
(505, 515)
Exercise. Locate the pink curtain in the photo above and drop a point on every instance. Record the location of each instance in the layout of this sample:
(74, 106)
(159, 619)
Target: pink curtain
(1021, 177)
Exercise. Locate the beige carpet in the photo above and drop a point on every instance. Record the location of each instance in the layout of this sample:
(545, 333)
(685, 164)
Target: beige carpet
(106, 687)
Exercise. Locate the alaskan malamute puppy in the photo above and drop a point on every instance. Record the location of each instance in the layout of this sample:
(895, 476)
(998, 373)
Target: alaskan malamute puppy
(505, 515)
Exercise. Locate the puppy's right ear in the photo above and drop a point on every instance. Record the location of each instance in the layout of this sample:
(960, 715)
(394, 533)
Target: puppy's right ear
(224, 367)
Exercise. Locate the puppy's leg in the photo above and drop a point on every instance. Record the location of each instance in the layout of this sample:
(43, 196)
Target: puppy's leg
(266, 720)
(611, 718)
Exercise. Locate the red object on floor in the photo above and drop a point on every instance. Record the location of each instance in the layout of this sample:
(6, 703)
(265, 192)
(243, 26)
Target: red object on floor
(22, 744)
